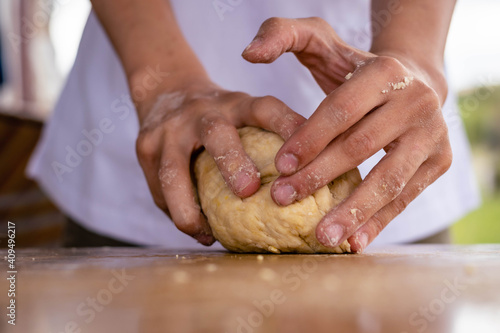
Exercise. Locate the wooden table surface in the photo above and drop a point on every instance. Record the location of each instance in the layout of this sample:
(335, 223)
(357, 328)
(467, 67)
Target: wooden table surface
(417, 288)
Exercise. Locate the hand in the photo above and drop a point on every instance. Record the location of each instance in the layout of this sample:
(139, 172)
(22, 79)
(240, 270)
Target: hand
(176, 123)
(373, 102)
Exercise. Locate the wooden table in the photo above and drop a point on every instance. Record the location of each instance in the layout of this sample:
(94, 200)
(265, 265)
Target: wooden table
(418, 288)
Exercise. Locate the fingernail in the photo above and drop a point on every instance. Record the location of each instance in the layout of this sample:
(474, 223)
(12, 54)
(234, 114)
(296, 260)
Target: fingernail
(285, 195)
(253, 44)
(242, 181)
(287, 164)
(363, 242)
(333, 233)
(204, 239)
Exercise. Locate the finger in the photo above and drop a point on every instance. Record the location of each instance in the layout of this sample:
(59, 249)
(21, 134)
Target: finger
(425, 175)
(381, 186)
(178, 192)
(339, 110)
(273, 115)
(222, 142)
(146, 150)
(313, 36)
(347, 151)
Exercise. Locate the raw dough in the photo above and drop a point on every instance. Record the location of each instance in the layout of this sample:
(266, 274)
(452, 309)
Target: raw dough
(256, 223)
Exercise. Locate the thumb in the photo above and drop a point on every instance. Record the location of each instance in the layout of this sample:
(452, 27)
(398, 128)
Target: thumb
(312, 40)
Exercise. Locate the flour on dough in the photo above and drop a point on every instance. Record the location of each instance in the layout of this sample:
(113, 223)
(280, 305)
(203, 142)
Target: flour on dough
(256, 223)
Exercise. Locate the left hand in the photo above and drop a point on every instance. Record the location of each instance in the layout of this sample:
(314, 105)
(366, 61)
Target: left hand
(373, 102)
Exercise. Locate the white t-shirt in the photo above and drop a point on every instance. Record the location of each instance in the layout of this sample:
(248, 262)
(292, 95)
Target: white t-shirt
(86, 157)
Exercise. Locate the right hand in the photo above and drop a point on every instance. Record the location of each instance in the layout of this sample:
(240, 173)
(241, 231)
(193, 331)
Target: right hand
(176, 123)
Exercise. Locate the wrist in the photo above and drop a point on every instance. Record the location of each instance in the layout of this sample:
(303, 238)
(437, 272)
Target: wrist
(150, 78)
(151, 81)
(178, 87)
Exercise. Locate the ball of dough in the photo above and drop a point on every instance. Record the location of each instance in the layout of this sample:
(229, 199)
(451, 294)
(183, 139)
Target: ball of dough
(256, 223)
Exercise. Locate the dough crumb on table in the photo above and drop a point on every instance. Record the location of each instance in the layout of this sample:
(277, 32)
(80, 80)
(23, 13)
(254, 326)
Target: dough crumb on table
(256, 223)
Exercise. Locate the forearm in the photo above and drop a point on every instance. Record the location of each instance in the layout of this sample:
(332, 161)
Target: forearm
(416, 34)
(146, 34)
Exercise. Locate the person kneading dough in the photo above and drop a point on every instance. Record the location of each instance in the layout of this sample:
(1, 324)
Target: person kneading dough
(256, 223)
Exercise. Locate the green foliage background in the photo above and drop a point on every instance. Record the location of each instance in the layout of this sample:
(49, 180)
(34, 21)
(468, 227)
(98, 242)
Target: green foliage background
(480, 111)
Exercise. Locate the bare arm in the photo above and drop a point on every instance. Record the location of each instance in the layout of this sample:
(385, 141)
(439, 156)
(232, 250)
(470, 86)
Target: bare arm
(146, 33)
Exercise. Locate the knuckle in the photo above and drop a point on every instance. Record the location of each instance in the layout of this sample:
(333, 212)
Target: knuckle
(438, 132)
(377, 224)
(401, 202)
(409, 166)
(273, 22)
(285, 124)
(231, 98)
(427, 103)
(358, 145)
(200, 104)
(417, 154)
(168, 172)
(262, 104)
(211, 123)
(318, 21)
(446, 159)
(431, 100)
(275, 114)
(393, 182)
(389, 64)
(146, 147)
(340, 111)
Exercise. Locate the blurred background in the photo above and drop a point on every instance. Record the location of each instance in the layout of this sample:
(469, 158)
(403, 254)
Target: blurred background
(38, 44)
